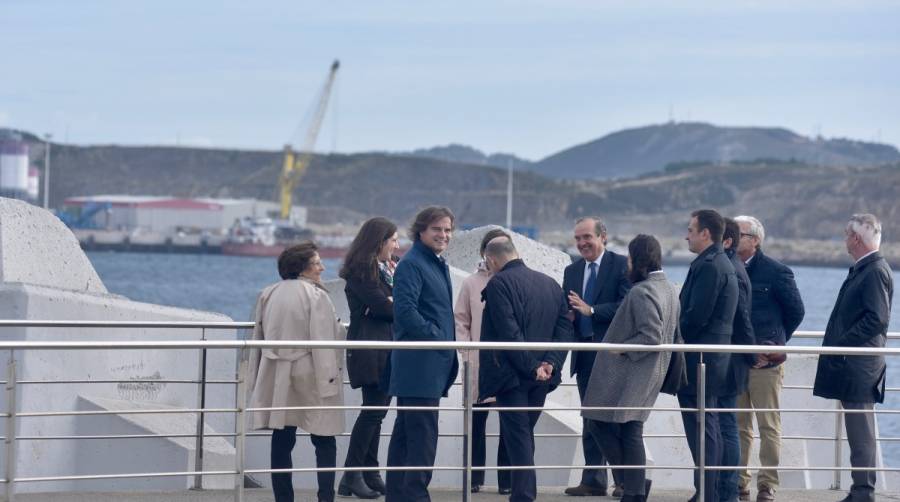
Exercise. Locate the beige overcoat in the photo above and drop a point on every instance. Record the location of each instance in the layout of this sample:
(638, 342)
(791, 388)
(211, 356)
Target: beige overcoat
(467, 314)
(297, 309)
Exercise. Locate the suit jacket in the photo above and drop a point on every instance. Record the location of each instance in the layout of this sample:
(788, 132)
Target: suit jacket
(612, 286)
(297, 309)
(709, 301)
(739, 364)
(521, 305)
(859, 319)
(423, 311)
(777, 305)
(371, 316)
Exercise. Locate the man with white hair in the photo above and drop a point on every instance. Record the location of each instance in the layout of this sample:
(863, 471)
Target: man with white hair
(776, 311)
(859, 319)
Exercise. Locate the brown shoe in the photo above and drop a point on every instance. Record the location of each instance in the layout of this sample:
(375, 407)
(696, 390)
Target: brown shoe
(765, 495)
(584, 490)
(743, 493)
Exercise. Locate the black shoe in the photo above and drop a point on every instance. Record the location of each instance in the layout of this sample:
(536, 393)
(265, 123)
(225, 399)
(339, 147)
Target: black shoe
(584, 490)
(504, 490)
(476, 488)
(352, 484)
(373, 480)
(618, 492)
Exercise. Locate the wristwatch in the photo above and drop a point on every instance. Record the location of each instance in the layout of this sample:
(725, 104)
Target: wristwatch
(592, 310)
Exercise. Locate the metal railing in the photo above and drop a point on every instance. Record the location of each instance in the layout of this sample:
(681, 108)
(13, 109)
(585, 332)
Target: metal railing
(240, 434)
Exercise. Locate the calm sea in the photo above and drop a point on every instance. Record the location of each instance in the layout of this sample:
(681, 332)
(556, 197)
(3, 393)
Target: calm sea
(229, 284)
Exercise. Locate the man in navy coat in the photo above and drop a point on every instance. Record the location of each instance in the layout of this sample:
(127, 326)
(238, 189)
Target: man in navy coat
(520, 305)
(596, 284)
(709, 299)
(423, 311)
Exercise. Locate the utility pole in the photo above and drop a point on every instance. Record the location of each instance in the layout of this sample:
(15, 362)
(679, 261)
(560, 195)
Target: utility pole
(47, 138)
(509, 193)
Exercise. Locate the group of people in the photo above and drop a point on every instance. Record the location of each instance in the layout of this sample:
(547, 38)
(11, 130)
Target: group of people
(733, 294)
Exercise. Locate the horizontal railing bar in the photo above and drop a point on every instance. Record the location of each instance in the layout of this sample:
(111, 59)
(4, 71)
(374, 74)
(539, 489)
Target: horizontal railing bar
(124, 412)
(30, 323)
(43, 382)
(368, 344)
(124, 476)
(447, 408)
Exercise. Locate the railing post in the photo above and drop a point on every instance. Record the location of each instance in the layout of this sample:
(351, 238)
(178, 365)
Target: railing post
(838, 445)
(467, 429)
(198, 446)
(701, 425)
(11, 429)
(240, 426)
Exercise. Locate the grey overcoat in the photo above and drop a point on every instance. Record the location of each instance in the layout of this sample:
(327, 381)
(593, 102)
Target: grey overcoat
(297, 309)
(648, 316)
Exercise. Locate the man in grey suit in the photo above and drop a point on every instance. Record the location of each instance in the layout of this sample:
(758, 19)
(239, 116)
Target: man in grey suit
(859, 319)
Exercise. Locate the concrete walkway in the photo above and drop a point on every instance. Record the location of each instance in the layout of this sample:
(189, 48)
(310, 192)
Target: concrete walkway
(545, 495)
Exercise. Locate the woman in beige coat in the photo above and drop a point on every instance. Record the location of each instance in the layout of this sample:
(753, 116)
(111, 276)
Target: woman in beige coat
(298, 308)
(468, 312)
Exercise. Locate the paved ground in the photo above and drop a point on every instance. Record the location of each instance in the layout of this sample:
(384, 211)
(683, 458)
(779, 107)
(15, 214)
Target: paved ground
(546, 495)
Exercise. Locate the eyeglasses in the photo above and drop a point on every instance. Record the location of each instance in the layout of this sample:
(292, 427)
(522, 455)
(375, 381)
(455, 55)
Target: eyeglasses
(746, 235)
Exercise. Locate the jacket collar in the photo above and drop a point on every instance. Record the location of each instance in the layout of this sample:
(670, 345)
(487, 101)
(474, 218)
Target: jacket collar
(513, 264)
(865, 261)
(710, 251)
(426, 251)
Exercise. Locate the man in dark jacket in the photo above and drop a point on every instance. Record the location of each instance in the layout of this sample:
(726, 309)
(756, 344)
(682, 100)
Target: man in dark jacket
(709, 300)
(596, 284)
(520, 305)
(423, 311)
(777, 311)
(859, 319)
(738, 366)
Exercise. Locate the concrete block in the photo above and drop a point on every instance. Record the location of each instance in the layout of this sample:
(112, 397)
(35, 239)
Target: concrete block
(37, 248)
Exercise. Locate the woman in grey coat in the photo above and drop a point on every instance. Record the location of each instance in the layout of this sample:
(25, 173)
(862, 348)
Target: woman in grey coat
(648, 316)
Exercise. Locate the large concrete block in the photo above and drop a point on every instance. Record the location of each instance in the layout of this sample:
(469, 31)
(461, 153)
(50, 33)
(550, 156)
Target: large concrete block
(463, 252)
(37, 248)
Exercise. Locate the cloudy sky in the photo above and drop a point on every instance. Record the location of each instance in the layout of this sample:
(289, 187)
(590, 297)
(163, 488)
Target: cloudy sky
(527, 77)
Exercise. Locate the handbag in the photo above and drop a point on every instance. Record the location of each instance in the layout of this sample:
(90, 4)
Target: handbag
(676, 376)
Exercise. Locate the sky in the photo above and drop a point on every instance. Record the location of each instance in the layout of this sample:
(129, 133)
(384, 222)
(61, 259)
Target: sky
(524, 77)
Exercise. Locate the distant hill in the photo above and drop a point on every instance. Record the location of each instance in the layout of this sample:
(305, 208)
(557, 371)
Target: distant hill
(633, 152)
(794, 200)
(465, 154)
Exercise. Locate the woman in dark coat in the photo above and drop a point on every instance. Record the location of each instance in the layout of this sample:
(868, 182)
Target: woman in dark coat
(368, 270)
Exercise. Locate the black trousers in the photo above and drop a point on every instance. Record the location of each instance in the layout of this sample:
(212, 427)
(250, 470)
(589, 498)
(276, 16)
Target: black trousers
(413, 443)
(623, 444)
(366, 434)
(479, 448)
(283, 441)
(593, 453)
(713, 441)
(517, 428)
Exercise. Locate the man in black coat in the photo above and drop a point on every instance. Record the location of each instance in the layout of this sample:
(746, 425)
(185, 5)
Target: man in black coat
(738, 366)
(859, 319)
(596, 284)
(777, 311)
(520, 305)
(709, 300)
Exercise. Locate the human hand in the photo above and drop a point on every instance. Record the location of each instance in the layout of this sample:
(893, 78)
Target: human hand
(578, 304)
(544, 371)
(761, 361)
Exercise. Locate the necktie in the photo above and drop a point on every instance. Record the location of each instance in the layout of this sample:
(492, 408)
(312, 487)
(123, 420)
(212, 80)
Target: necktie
(585, 325)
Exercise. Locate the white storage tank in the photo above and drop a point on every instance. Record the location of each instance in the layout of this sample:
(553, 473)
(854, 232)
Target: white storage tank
(14, 169)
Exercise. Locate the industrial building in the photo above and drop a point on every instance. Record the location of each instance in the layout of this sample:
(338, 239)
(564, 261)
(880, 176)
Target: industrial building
(17, 179)
(167, 215)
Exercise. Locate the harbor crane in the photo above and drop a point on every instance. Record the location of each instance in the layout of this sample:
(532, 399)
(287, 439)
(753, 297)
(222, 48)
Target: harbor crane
(295, 163)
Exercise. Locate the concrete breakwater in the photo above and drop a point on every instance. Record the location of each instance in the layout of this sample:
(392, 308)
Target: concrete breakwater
(68, 288)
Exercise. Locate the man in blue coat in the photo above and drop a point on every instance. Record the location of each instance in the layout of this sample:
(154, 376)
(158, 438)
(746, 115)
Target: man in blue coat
(423, 311)
(860, 319)
(595, 284)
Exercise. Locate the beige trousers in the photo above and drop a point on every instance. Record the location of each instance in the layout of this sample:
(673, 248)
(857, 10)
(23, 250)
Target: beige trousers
(763, 391)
